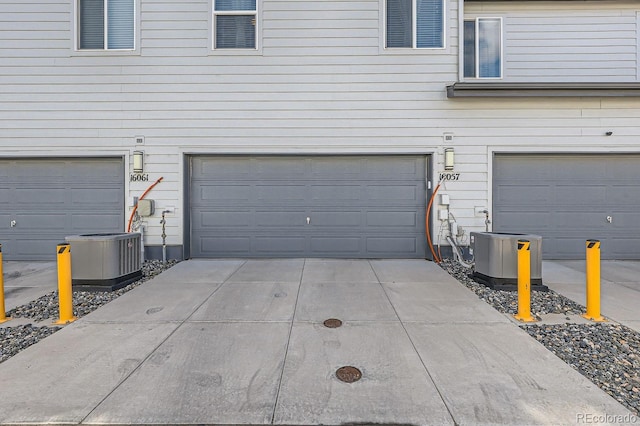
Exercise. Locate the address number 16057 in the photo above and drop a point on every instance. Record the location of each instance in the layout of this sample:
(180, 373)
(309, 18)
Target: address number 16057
(449, 176)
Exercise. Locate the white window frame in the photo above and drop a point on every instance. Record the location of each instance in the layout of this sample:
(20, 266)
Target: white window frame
(414, 29)
(105, 51)
(476, 20)
(235, 51)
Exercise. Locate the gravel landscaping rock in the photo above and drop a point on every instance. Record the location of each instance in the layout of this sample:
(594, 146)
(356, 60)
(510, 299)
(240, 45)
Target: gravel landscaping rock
(542, 302)
(15, 339)
(84, 302)
(608, 354)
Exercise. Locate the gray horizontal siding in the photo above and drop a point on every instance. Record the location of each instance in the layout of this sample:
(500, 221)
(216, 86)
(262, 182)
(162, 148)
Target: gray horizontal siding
(592, 42)
(321, 83)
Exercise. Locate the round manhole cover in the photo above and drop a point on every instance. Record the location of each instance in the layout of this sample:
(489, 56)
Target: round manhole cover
(332, 323)
(348, 374)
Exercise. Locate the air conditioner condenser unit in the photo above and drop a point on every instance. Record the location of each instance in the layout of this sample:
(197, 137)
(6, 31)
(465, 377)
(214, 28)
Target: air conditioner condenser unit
(496, 260)
(105, 262)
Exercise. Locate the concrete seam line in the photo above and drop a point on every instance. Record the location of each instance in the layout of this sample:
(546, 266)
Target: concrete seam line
(286, 351)
(414, 347)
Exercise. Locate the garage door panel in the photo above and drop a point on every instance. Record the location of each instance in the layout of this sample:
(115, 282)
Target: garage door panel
(510, 194)
(398, 168)
(579, 220)
(337, 218)
(394, 219)
(392, 193)
(619, 248)
(579, 195)
(336, 244)
(329, 168)
(225, 245)
(26, 171)
(95, 196)
(335, 193)
(225, 192)
(230, 168)
(52, 198)
(29, 222)
(282, 193)
(623, 222)
(397, 245)
(280, 246)
(510, 219)
(276, 168)
(224, 219)
(289, 219)
(96, 222)
(39, 195)
(38, 246)
(624, 195)
(566, 246)
(582, 191)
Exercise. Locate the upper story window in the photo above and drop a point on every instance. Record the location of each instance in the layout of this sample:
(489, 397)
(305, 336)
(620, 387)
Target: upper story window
(415, 24)
(483, 48)
(234, 23)
(106, 25)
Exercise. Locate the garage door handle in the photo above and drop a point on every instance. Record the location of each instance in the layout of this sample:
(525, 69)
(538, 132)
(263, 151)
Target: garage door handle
(609, 219)
(13, 223)
(308, 220)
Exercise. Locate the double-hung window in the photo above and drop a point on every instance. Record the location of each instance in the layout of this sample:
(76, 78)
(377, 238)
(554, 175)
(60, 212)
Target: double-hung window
(483, 48)
(234, 24)
(415, 24)
(106, 24)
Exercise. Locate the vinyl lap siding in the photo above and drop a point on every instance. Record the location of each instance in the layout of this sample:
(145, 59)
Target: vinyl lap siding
(318, 83)
(593, 42)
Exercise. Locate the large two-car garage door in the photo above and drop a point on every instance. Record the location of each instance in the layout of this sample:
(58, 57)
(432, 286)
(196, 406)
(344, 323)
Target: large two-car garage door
(44, 200)
(307, 206)
(568, 199)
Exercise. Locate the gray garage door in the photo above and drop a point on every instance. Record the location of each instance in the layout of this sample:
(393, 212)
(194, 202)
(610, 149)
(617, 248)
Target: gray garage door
(320, 206)
(568, 199)
(48, 199)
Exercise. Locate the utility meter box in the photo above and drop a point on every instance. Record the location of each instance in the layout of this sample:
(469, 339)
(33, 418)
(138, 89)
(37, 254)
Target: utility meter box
(496, 260)
(146, 208)
(105, 262)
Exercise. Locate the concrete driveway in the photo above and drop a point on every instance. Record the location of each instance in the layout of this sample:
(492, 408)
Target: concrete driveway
(243, 342)
(619, 286)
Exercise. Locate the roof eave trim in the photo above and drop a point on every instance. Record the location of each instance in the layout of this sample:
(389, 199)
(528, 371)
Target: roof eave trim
(527, 90)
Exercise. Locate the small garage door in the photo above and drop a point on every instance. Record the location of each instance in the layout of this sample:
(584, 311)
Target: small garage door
(320, 206)
(568, 199)
(45, 200)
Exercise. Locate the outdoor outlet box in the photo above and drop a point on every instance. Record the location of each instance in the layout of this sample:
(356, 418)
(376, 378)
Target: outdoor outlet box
(146, 207)
(444, 199)
(443, 214)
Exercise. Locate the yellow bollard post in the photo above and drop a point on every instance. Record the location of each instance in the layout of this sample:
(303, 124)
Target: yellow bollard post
(3, 314)
(65, 291)
(524, 282)
(593, 281)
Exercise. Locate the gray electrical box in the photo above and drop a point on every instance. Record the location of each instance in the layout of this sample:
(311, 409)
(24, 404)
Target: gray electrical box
(496, 259)
(146, 208)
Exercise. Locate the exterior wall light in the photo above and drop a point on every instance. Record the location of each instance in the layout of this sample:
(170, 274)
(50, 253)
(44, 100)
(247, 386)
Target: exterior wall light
(449, 159)
(138, 161)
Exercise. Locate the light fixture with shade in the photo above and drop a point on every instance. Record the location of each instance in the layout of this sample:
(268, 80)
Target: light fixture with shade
(138, 161)
(449, 159)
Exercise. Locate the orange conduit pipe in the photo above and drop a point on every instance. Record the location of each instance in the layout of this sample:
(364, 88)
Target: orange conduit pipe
(433, 252)
(135, 208)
